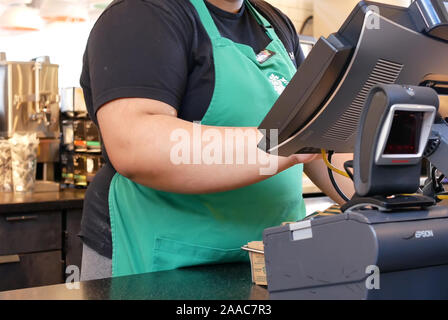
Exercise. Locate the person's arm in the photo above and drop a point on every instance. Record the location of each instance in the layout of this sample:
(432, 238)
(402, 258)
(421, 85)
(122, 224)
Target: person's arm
(138, 136)
(318, 173)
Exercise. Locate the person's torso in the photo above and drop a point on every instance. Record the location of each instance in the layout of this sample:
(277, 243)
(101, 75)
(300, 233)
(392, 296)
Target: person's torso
(155, 230)
(240, 28)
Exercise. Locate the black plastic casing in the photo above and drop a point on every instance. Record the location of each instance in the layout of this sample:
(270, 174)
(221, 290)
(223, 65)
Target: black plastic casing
(331, 262)
(372, 179)
(321, 106)
(431, 17)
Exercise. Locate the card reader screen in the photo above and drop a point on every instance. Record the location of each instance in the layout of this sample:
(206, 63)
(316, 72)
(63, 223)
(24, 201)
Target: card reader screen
(404, 136)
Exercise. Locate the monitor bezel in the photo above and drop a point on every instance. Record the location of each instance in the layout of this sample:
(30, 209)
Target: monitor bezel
(404, 159)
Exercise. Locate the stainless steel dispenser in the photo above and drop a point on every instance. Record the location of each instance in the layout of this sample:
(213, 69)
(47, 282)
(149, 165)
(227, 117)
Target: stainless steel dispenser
(29, 102)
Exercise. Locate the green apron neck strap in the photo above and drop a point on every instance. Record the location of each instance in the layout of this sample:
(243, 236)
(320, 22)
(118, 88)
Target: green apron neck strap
(210, 26)
(206, 18)
(260, 19)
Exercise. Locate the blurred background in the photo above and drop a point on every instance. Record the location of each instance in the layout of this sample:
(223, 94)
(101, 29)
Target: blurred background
(60, 28)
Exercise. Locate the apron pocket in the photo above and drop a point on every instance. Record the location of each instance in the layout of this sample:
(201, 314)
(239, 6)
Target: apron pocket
(172, 254)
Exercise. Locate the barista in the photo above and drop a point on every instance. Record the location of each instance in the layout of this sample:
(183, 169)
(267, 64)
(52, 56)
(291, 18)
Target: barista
(152, 68)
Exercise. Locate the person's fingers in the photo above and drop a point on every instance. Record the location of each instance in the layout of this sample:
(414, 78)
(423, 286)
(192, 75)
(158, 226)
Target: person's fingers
(305, 158)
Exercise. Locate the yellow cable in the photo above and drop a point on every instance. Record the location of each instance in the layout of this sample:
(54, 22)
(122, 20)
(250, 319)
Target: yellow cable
(331, 167)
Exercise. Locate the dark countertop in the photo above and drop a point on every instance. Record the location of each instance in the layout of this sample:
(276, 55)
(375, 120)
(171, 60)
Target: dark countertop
(21, 202)
(217, 282)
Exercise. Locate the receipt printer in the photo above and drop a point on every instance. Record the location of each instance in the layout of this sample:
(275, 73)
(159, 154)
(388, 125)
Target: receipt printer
(360, 255)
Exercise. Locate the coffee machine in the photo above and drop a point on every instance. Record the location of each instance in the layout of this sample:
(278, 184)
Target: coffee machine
(29, 102)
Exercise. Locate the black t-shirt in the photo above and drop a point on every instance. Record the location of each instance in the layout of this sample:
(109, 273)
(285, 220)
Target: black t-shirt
(159, 49)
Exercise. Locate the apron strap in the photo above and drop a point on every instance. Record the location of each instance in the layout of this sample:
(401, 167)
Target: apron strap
(260, 19)
(210, 25)
(206, 19)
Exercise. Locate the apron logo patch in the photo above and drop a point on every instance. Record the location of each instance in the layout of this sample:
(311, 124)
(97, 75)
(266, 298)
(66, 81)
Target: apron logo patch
(264, 56)
(278, 82)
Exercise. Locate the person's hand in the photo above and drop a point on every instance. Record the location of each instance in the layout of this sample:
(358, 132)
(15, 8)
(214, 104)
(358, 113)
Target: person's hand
(304, 158)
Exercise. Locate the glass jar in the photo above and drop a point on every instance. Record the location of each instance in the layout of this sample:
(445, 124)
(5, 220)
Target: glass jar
(5, 166)
(24, 158)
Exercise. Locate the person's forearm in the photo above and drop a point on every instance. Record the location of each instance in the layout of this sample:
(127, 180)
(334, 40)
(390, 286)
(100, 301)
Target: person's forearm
(166, 153)
(318, 173)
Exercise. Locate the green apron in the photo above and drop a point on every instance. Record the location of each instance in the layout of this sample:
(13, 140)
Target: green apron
(154, 230)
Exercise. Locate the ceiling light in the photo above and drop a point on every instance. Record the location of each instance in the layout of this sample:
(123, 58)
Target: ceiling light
(21, 18)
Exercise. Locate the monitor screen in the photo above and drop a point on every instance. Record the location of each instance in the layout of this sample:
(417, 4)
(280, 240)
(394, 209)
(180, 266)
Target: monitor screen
(404, 135)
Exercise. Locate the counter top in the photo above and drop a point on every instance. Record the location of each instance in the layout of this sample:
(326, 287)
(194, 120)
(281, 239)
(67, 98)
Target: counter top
(215, 282)
(19, 202)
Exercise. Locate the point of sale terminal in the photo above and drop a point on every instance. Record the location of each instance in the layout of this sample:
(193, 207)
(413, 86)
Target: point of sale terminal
(372, 90)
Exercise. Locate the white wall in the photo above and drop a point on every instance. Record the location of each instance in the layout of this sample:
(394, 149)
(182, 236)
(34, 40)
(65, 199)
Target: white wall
(63, 42)
(330, 14)
(296, 10)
